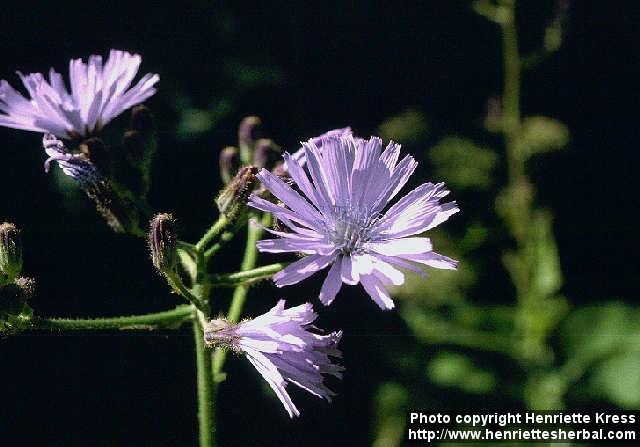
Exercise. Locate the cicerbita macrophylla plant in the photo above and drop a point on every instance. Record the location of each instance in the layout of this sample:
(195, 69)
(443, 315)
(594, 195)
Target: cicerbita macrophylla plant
(99, 93)
(284, 348)
(338, 218)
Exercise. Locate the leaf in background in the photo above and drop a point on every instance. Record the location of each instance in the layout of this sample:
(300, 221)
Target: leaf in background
(618, 378)
(408, 127)
(248, 76)
(391, 404)
(599, 331)
(542, 134)
(606, 340)
(547, 276)
(462, 164)
(450, 369)
(545, 391)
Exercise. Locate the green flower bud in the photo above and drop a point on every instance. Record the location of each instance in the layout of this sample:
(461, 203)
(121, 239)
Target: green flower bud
(10, 252)
(233, 198)
(162, 242)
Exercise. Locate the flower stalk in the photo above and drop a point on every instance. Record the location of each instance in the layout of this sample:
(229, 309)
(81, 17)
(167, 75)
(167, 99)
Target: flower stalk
(169, 319)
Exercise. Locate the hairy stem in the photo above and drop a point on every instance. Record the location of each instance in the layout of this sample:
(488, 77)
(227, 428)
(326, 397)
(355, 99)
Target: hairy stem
(254, 232)
(170, 319)
(179, 287)
(206, 388)
(247, 277)
(213, 232)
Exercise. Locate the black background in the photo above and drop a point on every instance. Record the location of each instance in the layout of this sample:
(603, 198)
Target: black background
(343, 64)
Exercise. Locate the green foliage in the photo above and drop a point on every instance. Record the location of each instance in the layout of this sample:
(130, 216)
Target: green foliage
(249, 76)
(391, 405)
(462, 163)
(196, 121)
(541, 134)
(618, 379)
(408, 127)
(449, 369)
(605, 341)
(544, 391)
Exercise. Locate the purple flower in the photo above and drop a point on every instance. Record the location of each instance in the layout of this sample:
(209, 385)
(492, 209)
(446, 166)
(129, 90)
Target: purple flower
(75, 166)
(98, 94)
(339, 220)
(300, 155)
(282, 347)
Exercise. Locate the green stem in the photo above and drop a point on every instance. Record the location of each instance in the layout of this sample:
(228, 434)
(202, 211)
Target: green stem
(247, 277)
(206, 388)
(170, 319)
(511, 95)
(222, 240)
(176, 283)
(213, 232)
(254, 232)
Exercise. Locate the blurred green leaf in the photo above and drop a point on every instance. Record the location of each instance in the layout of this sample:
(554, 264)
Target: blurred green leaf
(475, 235)
(618, 379)
(545, 391)
(604, 341)
(542, 134)
(547, 277)
(194, 122)
(450, 369)
(599, 331)
(431, 328)
(391, 406)
(408, 127)
(248, 76)
(463, 164)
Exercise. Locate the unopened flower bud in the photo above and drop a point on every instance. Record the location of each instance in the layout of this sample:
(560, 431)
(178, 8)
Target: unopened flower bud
(162, 242)
(229, 163)
(234, 196)
(10, 251)
(266, 154)
(247, 136)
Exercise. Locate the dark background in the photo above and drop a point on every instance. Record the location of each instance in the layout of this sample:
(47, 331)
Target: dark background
(335, 64)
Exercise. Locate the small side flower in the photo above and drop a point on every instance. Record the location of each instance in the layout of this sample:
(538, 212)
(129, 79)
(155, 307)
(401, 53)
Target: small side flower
(285, 348)
(99, 92)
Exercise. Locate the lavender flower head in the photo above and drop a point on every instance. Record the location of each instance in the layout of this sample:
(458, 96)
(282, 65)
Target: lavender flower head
(300, 155)
(75, 166)
(98, 94)
(339, 220)
(282, 347)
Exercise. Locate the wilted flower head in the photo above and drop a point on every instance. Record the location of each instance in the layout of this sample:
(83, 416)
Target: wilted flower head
(76, 166)
(282, 347)
(340, 219)
(98, 94)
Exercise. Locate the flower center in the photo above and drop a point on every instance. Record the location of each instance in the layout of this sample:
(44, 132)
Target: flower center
(350, 227)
